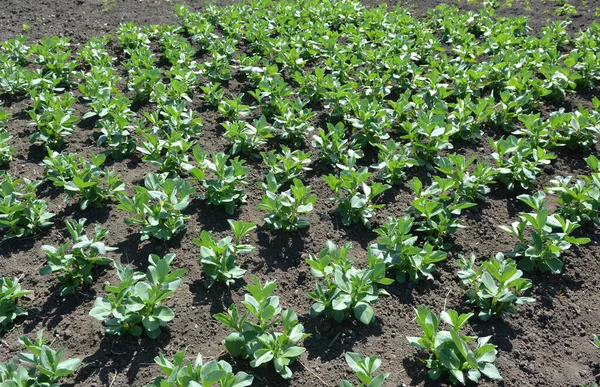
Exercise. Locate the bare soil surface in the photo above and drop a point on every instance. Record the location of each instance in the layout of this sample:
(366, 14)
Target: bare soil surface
(547, 344)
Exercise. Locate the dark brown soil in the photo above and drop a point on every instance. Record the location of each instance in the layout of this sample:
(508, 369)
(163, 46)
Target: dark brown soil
(547, 344)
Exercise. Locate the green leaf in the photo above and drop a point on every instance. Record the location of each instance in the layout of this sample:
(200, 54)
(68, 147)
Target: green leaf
(364, 313)
(67, 367)
(264, 356)
(293, 352)
(490, 371)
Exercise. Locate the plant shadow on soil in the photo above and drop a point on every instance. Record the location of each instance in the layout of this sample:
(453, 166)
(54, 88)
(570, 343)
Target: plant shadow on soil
(134, 252)
(337, 338)
(56, 307)
(122, 354)
(279, 249)
(264, 375)
(91, 214)
(217, 296)
(209, 217)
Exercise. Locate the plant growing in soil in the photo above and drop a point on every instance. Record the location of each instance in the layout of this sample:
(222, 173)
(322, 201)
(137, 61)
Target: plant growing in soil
(94, 52)
(364, 368)
(397, 247)
(94, 184)
(518, 161)
(10, 292)
(60, 168)
(136, 304)
(333, 147)
(394, 160)
(53, 117)
(345, 290)
(437, 210)
(52, 53)
(579, 129)
(579, 201)
(97, 87)
(293, 121)
(246, 138)
(468, 186)
(234, 109)
(75, 260)
(286, 208)
(449, 352)
(181, 373)
(213, 93)
(17, 49)
(218, 69)
(270, 95)
(428, 134)
(157, 207)
(116, 136)
(4, 116)
(223, 190)
(218, 256)
(174, 117)
(495, 286)
(286, 165)
(369, 121)
(354, 197)
(47, 367)
(21, 212)
(259, 340)
(167, 152)
(550, 235)
(143, 82)
(6, 151)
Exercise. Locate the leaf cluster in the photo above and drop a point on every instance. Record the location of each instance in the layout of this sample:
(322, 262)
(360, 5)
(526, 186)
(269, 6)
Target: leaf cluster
(75, 260)
(344, 289)
(257, 334)
(135, 305)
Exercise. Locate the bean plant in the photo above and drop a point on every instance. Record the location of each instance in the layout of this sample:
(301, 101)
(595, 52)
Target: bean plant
(468, 186)
(135, 305)
(247, 138)
(399, 249)
(550, 235)
(10, 292)
(21, 212)
(394, 160)
(364, 368)
(495, 286)
(41, 366)
(227, 176)
(75, 260)
(354, 197)
(6, 151)
(345, 290)
(437, 210)
(158, 206)
(286, 209)
(333, 147)
(218, 257)
(257, 333)
(286, 165)
(519, 162)
(53, 117)
(182, 373)
(448, 352)
(79, 177)
(579, 200)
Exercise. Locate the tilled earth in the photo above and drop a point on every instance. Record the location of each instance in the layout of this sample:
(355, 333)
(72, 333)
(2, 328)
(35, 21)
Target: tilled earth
(547, 344)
